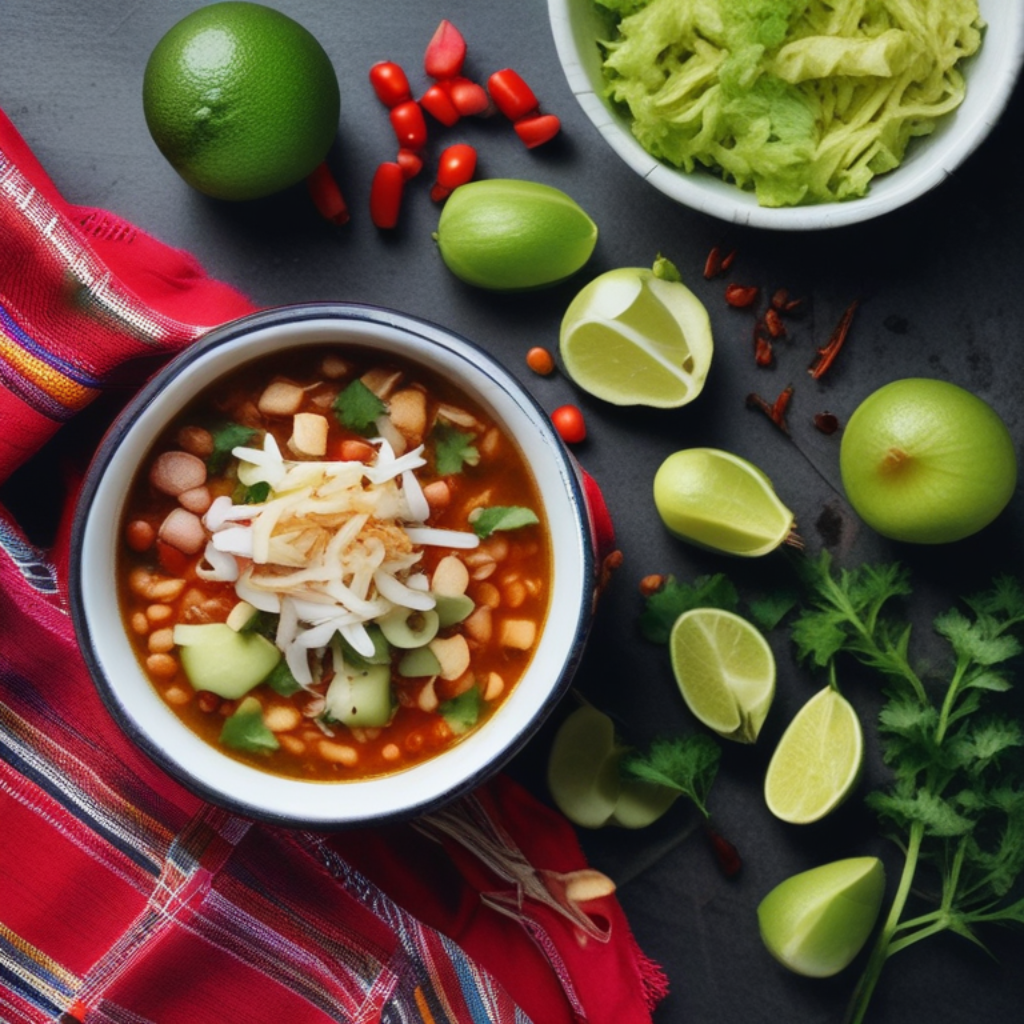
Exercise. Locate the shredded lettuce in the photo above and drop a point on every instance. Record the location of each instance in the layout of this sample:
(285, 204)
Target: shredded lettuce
(800, 101)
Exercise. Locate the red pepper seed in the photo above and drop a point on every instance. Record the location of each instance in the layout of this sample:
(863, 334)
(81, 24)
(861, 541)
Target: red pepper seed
(409, 125)
(511, 95)
(390, 83)
(386, 195)
(446, 52)
(535, 131)
(826, 422)
(740, 296)
(437, 102)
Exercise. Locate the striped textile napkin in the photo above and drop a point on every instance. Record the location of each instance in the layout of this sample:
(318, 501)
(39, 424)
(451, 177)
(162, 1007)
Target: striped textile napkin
(123, 898)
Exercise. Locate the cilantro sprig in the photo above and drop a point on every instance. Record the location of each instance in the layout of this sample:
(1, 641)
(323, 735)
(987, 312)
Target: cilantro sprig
(955, 804)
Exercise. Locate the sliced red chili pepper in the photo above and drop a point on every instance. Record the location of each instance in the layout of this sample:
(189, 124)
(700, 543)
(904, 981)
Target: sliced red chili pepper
(739, 296)
(386, 195)
(410, 162)
(437, 102)
(727, 260)
(713, 263)
(446, 52)
(828, 352)
(773, 323)
(467, 97)
(455, 167)
(390, 83)
(511, 95)
(535, 131)
(409, 125)
(326, 195)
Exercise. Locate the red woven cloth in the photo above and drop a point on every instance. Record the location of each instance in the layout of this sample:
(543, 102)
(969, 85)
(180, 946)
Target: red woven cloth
(124, 898)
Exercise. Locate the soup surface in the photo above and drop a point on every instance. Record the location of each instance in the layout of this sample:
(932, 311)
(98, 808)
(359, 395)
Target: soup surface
(333, 566)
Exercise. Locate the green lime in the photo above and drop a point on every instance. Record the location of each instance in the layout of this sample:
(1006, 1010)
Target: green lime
(725, 671)
(632, 338)
(241, 99)
(718, 500)
(817, 762)
(509, 235)
(816, 922)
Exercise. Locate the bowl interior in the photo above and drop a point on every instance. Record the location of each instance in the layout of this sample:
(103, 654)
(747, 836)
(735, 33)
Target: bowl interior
(991, 75)
(143, 713)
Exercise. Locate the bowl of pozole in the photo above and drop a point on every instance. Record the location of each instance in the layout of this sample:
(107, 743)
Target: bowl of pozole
(332, 566)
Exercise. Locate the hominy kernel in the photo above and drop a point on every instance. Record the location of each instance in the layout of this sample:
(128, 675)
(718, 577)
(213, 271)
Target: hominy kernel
(515, 594)
(481, 572)
(177, 695)
(161, 641)
(208, 702)
(140, 624)
(414, 742)
(157, 613)
(162, 666)
(494, 687)
(338, 753)
(196, 441)
(488, 595)
(391, 752)
(533, 586)
(490, 444)
(292, 744)
(139, 535)
(281, 718)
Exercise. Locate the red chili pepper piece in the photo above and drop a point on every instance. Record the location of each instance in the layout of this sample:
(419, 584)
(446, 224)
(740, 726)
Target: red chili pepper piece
(390, 83)
(437, 102)
(446, 52)
(569, 423)
(410, 162)
(511, 95)
(726, 854)
(828, 352)
(326, 195)
(775, 411)
(727, 260)
(409, 125)
(773, 323)
(455, 167)
(535, 131)
(386, 195)
(713, 263)
(467, 97)
(739, 296)
(764, 354)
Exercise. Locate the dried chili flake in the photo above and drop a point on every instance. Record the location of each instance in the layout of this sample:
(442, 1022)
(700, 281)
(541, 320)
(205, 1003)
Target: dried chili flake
(775, 411)
(713, 264)
(740, 296)
(727, 260)
(828, 352)
(826, 422)
(764, 353)
(773, 323)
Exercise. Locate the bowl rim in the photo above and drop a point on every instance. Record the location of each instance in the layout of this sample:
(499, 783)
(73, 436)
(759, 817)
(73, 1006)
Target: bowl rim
(430, 337)
(706, 194)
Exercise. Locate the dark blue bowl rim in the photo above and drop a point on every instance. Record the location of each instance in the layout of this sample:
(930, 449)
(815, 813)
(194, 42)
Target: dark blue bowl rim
(286, 315)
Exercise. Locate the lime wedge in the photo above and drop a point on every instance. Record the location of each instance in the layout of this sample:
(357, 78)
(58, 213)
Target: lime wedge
(718, 500)
(631, 338)
(817, 762)
(725, 671)
(816, 922)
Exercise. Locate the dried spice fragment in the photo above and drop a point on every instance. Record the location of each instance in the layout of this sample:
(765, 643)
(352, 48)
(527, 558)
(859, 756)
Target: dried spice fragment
(828, 352)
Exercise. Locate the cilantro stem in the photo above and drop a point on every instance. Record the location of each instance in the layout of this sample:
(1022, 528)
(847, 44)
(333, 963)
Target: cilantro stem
(883, 947)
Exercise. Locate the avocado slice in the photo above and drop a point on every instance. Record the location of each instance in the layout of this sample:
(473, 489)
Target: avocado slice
(217, 658)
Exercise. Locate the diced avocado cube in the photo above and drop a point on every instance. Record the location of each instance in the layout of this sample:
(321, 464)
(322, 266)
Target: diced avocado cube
(360, 695)
(227, 663)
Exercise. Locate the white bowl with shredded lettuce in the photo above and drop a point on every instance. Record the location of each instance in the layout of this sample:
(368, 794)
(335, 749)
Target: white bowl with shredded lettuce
(791, 114)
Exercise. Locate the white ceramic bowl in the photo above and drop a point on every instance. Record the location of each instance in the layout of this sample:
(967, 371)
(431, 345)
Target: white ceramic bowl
(246, 790)
(991, 76)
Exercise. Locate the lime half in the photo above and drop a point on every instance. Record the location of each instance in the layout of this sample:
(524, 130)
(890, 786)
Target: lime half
(725, 671)
(817, 762)
(721, 501)
(632, 338)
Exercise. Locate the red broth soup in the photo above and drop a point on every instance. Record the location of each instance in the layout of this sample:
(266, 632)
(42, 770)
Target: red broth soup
(333, 566)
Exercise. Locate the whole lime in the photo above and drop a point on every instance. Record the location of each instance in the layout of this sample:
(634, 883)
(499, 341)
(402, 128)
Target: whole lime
(927, 461)
(242, 100)
(509, 235)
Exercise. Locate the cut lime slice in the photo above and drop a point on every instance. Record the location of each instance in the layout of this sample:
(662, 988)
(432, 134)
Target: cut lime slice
(816, 922)
(817, 762)
(632, 338)
(725, 671)
(718, 500)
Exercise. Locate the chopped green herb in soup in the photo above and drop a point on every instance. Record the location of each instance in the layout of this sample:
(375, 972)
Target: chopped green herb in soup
(334, 566)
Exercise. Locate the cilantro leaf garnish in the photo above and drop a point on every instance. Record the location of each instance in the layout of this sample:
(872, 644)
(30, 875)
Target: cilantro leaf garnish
(357, 408)
(453, 449)
(501, 517)
(688, 765)
(257, 493)
(227, 437)
(664, 606)
(246, 730)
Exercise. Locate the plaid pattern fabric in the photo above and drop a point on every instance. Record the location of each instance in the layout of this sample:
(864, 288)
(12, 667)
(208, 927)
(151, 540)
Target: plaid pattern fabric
(124, 899)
